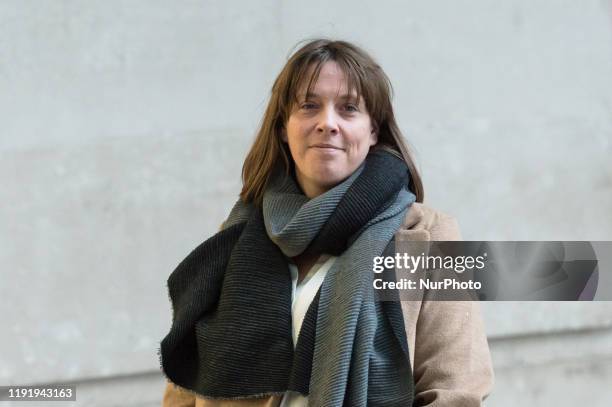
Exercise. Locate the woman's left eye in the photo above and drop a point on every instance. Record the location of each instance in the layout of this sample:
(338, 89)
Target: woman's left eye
(351, 108)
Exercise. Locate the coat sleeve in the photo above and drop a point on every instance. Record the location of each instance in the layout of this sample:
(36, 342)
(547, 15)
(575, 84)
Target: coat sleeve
(452, 363)
(174, 396)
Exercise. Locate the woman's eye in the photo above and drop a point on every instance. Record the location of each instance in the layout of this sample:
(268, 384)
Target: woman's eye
(308, 106)
(351, 108)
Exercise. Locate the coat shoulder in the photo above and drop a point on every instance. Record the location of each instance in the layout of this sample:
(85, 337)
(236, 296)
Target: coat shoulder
(425, 219)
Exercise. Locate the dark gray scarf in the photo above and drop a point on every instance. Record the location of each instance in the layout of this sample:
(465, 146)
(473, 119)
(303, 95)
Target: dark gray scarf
(231, 332)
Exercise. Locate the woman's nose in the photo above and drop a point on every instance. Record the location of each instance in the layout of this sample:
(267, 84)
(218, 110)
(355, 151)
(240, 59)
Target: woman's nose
(328, 121)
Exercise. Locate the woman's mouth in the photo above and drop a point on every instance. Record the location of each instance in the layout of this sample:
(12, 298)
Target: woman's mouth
(326, 147)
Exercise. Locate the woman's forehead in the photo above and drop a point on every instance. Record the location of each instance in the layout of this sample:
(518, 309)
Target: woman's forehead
(330, 77)
(341, 94)
(325, 71)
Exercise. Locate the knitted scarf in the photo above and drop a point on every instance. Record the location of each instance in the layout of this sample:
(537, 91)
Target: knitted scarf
(231, 335)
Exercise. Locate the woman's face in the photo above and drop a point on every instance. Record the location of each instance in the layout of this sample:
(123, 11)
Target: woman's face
(328, 132)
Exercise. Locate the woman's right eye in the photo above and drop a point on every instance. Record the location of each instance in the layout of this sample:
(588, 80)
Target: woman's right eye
(308, 106)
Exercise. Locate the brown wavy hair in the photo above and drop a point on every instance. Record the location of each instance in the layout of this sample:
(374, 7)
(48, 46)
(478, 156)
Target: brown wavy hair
(269, 153)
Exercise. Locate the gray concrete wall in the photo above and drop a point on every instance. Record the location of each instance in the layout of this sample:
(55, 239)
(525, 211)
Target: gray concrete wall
(123, 126)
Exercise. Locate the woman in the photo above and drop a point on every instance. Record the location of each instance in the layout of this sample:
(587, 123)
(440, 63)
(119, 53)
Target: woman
(277, 308)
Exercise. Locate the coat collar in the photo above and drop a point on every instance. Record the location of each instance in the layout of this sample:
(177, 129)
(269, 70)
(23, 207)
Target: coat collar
(416, 225)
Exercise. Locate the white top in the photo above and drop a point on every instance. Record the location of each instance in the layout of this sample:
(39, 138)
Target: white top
(302, 295)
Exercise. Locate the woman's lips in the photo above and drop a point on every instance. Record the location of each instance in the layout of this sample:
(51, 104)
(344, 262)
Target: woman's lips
(326, 147)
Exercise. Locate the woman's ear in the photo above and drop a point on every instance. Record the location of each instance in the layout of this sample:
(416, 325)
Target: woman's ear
(373, 136)
(284, 135)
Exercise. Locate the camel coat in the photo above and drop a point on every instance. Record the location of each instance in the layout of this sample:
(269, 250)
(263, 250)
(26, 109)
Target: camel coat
(449, 353)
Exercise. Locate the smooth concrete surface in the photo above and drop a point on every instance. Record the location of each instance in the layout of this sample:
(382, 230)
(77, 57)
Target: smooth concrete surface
(124, 124)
